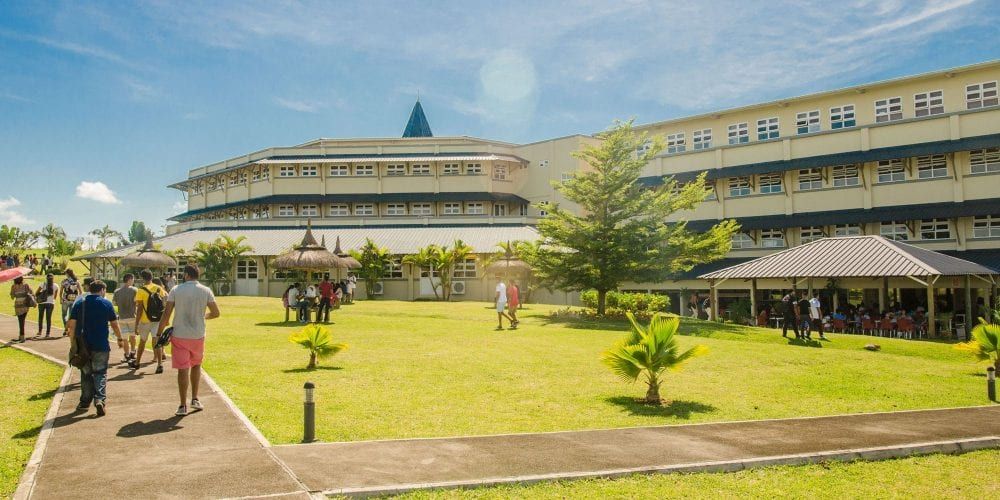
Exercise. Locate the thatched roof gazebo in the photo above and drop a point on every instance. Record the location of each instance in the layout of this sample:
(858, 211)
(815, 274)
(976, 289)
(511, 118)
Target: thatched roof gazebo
(148, 257)
(308, 256)
(350, 262)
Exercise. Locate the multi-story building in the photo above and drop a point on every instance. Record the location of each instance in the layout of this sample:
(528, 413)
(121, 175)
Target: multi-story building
(914, 158)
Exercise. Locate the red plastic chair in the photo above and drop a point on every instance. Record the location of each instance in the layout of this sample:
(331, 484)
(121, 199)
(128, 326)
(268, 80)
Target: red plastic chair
(885, 327)
(868, 326)
(905, 326)
(839, 325)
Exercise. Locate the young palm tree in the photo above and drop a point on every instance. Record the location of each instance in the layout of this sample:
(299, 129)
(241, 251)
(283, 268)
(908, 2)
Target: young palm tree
(318, 341)
(649, 351)
(444, 262)
(424, 259)
(985, 342)
(374, 259)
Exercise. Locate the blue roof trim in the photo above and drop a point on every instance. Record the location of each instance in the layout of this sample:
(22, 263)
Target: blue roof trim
(316, 225)
(417, 125)
(989, 206)
(359, 197)
(889, 153)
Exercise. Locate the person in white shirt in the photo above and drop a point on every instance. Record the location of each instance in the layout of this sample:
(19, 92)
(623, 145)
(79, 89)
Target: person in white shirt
(501, 303)
(816, 314)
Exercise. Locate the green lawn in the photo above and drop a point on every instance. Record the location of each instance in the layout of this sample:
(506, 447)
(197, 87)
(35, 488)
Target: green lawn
(27, 385)
(972, 475)
(420, 369)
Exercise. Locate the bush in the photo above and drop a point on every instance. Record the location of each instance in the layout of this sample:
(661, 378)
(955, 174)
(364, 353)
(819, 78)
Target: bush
(111, 284)
(642, 305)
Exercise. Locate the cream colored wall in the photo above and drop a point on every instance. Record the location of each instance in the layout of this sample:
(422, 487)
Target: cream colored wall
(536, 184)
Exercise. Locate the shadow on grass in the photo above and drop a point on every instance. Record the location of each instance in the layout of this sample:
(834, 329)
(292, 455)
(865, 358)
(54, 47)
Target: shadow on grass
(675, 409)
(140, 428)
(584, 323)
(805, 343)
(281, 323)
(307, 370)
(52, 392)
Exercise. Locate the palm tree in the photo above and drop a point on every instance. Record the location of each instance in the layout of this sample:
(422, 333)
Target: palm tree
(985, 342)
(105, 235)
(374, 259)
(444, 263)
(650, 351)
(219, 257)
(318, 341)
(425, 258)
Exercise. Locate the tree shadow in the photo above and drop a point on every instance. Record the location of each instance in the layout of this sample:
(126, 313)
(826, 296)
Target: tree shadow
(43, 395)
(583, 323)
(675, 409)
(307, 370)
(281, 323)
(60, 421)
(140, 428)
(805, 343)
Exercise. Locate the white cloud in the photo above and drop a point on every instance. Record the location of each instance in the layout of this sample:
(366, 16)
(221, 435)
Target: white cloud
(97, 191)
(77, 48)
(180, 206)
(13, 97)
(140, 91)
(302, 106)
(10, 216)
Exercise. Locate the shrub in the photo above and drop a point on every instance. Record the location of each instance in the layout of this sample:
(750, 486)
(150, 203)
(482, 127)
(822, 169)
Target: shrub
(642, 305)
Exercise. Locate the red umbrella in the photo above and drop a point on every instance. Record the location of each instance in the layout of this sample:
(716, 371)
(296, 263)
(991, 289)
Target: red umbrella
(16, 272)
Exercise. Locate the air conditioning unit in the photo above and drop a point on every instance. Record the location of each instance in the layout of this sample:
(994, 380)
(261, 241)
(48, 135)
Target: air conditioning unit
(458, 288)
(223, 288)
(378, 288)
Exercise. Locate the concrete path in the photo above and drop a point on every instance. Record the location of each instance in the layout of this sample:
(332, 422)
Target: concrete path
(140, 449)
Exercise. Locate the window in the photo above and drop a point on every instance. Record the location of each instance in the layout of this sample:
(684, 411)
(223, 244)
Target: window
(287, 171)
(473, 169)
(395, 169)
(894, 230)
(286, 210)
(772, 238)
(810, 178)
(474, 208)
(890, 171)
(675, 143)
(847, 230)
(364, 170)
(450, 169)
(934, 229)
(845, 176)
(214, 184)
(987, 226)
(842, 117)
(739, 186)
(452, 209)
(238, 179)
(643, 148)
(393, 268)
(928, 103)
(340, 210)
(246, 269)
(197, 188)
(499, 210)
(565, 176)
(981, 95)
(742, 240)
(932, 167)
(310, 171)
(807, 122)
(542, 213)
(702, 139)
(420, 169)
(339, 170)
(255, 176)
(710, 189)
(395, 209)
(770, 183)
(309, 210)
(982, 161)
(499, 172)
(362, 209)
(261, 213)
(810, 233)
(420, 209)
(739, 133)
(887, 110)
(767, 128)
(465, 268)
(523, 210)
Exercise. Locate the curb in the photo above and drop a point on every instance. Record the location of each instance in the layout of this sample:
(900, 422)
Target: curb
(849, 455)
(26, 484)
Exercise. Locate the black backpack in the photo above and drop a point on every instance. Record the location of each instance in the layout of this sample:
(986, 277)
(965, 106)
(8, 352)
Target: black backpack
(153, 306)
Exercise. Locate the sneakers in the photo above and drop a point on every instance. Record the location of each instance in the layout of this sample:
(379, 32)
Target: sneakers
(82, 407)
(133, 364)
(99, 406)
(197, 404)
(159, 368)
(181, 411)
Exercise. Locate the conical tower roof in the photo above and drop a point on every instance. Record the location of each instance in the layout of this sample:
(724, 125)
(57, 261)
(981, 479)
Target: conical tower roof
(417, 126)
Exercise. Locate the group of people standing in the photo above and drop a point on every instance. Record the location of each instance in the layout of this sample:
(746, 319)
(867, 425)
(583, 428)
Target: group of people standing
(507, 300)
(324, 296)
(802, 315)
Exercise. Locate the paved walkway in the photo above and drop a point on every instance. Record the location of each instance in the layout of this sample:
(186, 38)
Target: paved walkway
(218, 456)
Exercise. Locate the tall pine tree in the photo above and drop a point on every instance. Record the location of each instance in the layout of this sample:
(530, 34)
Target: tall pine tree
(621, 233)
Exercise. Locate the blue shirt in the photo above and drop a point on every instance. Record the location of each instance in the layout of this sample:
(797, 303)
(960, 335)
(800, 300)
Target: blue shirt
(99, 312)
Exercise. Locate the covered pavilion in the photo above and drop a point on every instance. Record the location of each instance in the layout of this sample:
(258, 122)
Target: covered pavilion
(859, 262)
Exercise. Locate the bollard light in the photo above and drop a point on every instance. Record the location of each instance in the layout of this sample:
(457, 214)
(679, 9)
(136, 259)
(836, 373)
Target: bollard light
(309, 414)
(991, 383)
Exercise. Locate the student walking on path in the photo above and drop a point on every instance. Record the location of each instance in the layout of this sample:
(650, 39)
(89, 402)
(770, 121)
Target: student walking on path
(149, 308)
(187, 303)
(124, 299)
(501, 304)
(88, 326)
(46, 295)
(69, 290)
(21, 293)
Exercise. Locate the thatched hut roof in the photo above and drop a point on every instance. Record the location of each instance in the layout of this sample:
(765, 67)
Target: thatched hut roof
(309, 255)
(148, 257)
(349, 261)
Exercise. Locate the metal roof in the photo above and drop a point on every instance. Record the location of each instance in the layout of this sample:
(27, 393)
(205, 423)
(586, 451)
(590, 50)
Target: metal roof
(417, 125)
(851, 257)
(399, 241)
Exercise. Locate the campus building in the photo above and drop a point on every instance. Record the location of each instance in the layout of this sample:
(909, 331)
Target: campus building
(914, 159)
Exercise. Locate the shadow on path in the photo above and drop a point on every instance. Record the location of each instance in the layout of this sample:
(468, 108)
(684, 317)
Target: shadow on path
(140, 428)
(675, 409)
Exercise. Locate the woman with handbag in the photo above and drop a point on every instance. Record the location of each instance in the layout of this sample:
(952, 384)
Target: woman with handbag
(24, 300)
(46, 296)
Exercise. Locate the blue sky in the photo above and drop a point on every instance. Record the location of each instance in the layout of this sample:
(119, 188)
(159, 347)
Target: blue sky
(104, 104)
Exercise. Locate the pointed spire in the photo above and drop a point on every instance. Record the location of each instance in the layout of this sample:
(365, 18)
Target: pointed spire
(337, 249)
(417, 126)
(322, 241)
(309, 240)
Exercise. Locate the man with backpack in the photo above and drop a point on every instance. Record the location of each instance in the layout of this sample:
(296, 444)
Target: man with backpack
(88, 322)
(69, 290)
(149, 306)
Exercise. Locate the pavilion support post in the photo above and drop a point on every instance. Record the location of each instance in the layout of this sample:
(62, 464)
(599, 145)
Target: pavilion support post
(809, 286)
(883, 289)
(836, 299)
(931, 310)
(713, 306)
(968, 306)
(753, 301)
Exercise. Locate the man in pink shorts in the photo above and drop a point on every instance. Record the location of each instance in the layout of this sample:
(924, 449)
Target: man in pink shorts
(187, 303)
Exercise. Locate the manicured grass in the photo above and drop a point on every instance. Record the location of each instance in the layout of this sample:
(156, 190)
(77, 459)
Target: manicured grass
(972, 475)
(421, 369)
(27, 385)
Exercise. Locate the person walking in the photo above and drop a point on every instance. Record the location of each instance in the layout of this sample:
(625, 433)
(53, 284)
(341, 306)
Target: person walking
(187, 303)
(513, 302)
(69, 291)
(816, 315)
(169, 282)
(790, 314)
(23, 298)
(88, 324)
(352, 284)
(802, 317)
(46, 296)
(501, 303)
(124, 300)
(325, 300)
(149, 307)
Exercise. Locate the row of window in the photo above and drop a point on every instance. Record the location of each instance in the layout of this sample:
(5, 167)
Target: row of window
(886, 171)
(979, 95)
(987, 226)
(248, 269)
(371, 210)
(500, 171)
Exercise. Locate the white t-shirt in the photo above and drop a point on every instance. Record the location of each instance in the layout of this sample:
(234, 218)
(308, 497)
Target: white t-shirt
(190, 300)
(502, 290)
(310, 292)
(293, 297)
(814, 308)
